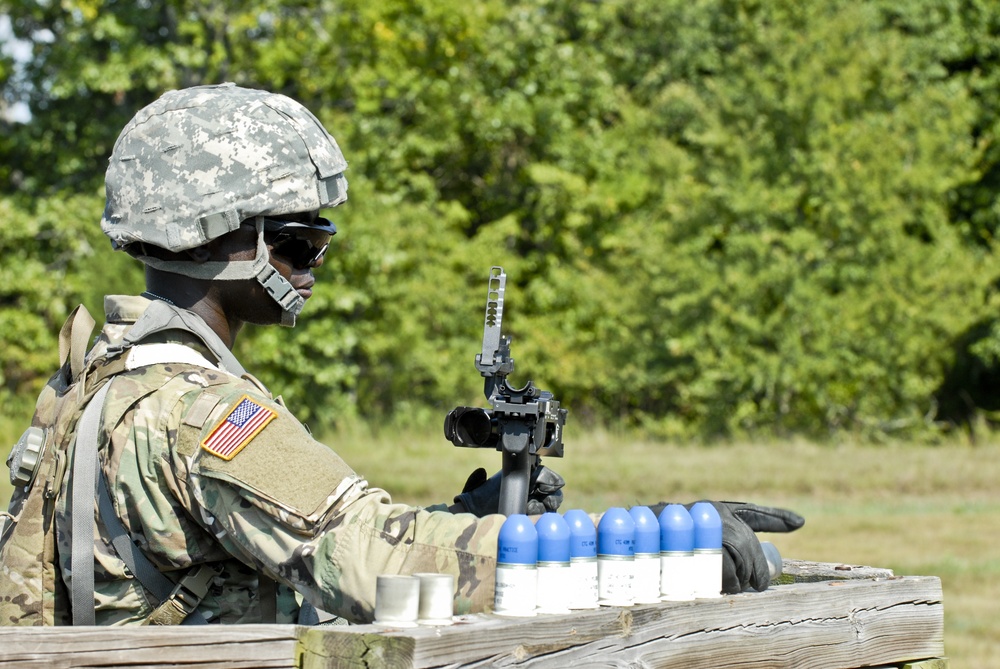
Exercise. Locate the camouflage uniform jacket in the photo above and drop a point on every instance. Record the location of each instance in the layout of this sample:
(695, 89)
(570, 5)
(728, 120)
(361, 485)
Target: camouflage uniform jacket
(266, 498)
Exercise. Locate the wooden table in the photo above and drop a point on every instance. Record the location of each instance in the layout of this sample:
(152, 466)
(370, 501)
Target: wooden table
(818, 616)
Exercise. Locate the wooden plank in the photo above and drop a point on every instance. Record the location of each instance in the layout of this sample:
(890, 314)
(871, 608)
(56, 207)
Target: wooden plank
(801, 571)
(210, 647)
(821, 625)
(833, 625)
(354, 647)
(472, 638)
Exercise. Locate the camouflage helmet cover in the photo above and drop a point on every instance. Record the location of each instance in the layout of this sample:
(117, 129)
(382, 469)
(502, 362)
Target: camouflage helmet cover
(191, 166)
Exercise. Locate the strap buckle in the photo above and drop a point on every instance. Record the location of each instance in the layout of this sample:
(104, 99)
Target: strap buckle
(191, 589)
(184, 599)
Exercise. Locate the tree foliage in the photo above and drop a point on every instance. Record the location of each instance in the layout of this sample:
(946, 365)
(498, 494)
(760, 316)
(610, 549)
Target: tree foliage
(718, 217)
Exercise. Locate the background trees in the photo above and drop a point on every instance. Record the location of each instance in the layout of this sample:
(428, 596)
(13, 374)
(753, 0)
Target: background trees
(718, 217)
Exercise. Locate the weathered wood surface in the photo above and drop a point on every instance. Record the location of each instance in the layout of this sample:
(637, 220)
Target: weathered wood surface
(871, 618)
(214, 647)
(801, 571)
(836, 624)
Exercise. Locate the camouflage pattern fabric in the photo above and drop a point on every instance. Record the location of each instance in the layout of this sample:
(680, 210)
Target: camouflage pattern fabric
(27, 578)
(31, 592)
(284, 504)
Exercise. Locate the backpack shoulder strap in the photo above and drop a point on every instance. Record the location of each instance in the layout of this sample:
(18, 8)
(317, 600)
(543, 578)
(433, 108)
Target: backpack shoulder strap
(83, 492)
(178, 603)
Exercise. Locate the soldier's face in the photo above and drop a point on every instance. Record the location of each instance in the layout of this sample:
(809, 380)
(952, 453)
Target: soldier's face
(246, 300)
(301, 277)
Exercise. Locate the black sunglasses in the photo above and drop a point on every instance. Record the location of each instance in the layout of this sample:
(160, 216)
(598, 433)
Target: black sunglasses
(304, 244)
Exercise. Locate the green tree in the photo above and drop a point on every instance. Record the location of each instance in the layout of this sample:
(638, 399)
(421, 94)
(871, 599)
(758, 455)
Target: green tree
(718, 217)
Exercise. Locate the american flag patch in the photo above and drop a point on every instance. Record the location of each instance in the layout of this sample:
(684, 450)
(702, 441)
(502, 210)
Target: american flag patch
(237, 429)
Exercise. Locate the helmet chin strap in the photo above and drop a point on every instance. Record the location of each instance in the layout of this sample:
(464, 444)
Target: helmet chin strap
(282, 292)
(260, 268)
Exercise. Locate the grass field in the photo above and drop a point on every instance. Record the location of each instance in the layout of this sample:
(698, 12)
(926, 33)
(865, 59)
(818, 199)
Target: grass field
(917, 510)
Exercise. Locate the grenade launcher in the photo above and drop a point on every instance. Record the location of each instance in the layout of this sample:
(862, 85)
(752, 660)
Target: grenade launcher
(524, 423)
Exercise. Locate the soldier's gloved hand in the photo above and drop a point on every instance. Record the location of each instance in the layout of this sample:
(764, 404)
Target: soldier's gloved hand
(481, 495)
(743, 563)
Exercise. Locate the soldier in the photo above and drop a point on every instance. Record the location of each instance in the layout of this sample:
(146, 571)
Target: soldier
(203, 477)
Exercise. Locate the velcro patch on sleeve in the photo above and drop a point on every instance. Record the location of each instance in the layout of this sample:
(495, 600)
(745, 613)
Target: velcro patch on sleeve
(197, 415)
(243, 422)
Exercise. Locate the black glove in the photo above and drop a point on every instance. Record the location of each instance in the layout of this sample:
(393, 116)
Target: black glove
(744, 566)
(481, 495)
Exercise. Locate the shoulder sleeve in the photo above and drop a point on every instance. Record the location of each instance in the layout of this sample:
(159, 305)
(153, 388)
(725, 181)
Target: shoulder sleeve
(287, 504)
(252, 443)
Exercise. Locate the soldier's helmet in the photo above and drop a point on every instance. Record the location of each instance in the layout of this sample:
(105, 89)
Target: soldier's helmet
(198, 162)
